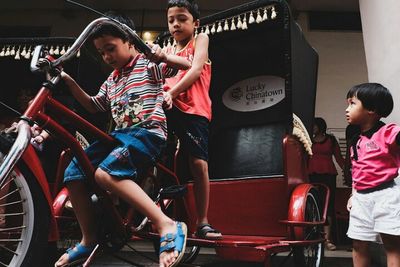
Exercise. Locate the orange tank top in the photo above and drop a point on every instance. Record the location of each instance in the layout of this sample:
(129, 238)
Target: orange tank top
(195, 99)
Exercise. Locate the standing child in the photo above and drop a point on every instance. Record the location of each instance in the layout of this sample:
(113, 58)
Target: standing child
(191, 112)
(375, 202)
(133, 92)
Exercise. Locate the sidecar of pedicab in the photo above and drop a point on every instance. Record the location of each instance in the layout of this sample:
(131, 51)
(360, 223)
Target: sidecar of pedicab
(263, 91)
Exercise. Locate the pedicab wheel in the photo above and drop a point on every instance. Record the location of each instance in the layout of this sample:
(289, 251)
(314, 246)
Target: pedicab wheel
(312, 255)
(24, 220)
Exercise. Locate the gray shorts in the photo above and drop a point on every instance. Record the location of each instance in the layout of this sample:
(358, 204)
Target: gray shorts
(375, 213)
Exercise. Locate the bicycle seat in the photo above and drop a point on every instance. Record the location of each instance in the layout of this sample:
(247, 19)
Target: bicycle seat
(173, 192)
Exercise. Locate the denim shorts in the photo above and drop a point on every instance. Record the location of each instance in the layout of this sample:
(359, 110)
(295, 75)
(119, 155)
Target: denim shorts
(137, 149)
(192, 131)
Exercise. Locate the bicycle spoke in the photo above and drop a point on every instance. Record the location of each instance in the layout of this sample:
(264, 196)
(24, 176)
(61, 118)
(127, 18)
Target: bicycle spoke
(11, 229)
(9, 250)
(12, 214)
(11, 203)
(9, 194)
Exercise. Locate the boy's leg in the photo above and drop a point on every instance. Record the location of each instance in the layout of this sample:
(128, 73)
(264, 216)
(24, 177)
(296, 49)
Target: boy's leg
(129, 191)
(391, 244)
(84, 213)
(199, 171)
(361, 256)
(201, 187)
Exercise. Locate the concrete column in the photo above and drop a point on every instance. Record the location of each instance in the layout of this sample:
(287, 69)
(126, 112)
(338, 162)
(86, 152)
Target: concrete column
(380, 23)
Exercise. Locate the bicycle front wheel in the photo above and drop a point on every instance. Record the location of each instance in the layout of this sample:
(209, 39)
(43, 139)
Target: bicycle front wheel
(24, 221)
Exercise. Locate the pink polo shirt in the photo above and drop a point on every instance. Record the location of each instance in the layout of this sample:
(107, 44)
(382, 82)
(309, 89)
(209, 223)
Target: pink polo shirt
(378, 158)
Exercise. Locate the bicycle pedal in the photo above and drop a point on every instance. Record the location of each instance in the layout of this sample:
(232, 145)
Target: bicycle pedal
(173, 192)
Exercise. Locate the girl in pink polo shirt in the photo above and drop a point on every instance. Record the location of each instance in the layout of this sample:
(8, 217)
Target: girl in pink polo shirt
(375, 156)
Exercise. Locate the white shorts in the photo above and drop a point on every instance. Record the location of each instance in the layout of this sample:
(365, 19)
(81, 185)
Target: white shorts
(374, 213)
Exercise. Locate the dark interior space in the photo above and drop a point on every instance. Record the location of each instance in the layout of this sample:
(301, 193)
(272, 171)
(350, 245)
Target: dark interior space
(21, 84)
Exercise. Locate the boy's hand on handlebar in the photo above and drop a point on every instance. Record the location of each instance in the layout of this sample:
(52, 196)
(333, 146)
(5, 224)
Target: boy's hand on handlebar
(45, 64)
(157, 55)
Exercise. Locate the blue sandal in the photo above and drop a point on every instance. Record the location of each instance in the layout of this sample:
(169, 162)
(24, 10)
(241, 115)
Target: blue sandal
(175, 242)
(78, 254)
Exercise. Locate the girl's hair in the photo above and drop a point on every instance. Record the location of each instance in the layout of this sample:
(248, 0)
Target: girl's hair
(321, 124)
(374, 97)
(190, 5)
(107, 29)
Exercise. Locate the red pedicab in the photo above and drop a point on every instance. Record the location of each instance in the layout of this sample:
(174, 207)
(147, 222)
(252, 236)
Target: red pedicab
(260, 198)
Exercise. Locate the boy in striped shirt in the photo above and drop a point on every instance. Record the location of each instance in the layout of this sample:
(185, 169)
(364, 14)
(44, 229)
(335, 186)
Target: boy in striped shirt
(133, 93)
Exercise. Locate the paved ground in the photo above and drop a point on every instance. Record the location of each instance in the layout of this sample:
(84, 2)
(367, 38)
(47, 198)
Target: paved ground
(144, 256)
(207, 258)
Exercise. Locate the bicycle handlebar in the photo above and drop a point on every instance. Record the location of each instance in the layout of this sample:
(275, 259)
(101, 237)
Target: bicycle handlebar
(73, 50)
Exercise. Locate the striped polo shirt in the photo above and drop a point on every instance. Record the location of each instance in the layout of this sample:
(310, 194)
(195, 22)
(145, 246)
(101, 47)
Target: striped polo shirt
(134, 95)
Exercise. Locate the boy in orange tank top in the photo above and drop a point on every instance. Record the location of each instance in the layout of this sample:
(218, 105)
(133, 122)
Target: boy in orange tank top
(189, 105)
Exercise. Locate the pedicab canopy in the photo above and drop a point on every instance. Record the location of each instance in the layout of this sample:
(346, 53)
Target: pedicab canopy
(263, 71)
